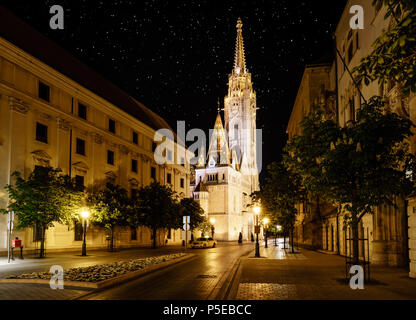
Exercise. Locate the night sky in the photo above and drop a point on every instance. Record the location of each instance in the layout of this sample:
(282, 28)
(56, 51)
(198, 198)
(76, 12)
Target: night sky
(175, 56)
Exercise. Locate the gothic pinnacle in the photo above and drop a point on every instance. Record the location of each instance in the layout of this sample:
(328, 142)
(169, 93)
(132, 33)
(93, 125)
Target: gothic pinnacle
(239, 59)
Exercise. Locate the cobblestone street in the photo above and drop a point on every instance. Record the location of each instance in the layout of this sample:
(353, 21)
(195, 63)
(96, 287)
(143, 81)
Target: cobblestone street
(281, 275)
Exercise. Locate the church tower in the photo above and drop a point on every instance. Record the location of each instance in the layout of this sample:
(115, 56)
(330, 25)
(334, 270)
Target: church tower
(240, 113)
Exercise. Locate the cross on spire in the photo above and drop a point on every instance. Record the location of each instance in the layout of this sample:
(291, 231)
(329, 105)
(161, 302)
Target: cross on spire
(239, 58)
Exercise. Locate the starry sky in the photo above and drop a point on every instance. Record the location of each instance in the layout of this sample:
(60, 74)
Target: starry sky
(174, 56)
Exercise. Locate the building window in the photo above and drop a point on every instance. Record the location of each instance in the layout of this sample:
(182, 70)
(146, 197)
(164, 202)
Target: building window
(110, 157)
(169, 178)
(79, 180)
(41, 132)
(111, 125)
(135, 138)
(44, 91)
(153, 173)
(350, 52)
(235, 131)
(82, 111)
(78, 232)
(133, 233)
(80, 149)
(352, 109)
(356, 41)
(134, 165)
(182, 183)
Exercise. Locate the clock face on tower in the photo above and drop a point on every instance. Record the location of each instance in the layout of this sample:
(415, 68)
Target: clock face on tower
(233, 110)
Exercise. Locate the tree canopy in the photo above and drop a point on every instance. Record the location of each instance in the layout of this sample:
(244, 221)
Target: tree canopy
(159, 208)
(44, 198)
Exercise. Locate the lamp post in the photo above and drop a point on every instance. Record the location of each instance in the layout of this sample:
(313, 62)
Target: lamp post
(265, 222)
(257, 230)
(84, 214)
(212, 220)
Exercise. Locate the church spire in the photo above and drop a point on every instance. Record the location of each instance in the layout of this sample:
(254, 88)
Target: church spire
(239, 58)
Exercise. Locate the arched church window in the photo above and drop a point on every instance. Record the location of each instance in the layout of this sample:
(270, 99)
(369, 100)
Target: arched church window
(235, 130)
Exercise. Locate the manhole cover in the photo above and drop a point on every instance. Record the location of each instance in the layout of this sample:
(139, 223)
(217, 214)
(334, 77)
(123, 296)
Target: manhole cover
(204, 276)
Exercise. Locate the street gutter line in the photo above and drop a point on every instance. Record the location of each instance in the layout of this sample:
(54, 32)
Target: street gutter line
(223, 287)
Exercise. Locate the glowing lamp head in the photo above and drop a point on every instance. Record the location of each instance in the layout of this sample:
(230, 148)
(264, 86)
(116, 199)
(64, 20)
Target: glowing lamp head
(85, 214)
(256, 209)
(266, 220)
(212, 220)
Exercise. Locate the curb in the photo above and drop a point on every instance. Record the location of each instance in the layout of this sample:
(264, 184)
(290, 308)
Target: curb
(222, 290)
(333, 253)
(105, 283)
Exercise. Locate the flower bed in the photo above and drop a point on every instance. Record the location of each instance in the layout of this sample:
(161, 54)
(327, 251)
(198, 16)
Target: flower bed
(102, 272)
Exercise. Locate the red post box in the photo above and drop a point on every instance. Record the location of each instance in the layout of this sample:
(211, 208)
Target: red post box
(16, 243)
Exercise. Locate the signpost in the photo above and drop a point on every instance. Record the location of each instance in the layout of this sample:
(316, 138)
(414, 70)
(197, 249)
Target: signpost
(9, 233)
(186, 227)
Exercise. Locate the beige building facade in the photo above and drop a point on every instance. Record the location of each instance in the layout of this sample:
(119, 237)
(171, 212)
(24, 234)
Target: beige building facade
(389, 232)
(63, 114)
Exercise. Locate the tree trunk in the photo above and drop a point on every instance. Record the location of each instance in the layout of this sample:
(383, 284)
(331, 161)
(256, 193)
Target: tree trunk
(284, 241)
(154, 237)
(293, 250)
(42, 243)
(112, 239)
(355, 244)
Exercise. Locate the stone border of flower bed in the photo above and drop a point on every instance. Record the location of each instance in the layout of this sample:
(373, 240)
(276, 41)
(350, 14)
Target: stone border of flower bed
(108, 282)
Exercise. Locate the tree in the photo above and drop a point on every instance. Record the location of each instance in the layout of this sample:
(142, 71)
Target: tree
(189, 207)
(159, 208)
(205, 227)
(44, 198)
(110, 207)
(394, 54)
(279, 195)
(359, 166)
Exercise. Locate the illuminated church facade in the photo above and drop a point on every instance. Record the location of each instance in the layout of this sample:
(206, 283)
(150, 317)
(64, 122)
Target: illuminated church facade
(227, 175)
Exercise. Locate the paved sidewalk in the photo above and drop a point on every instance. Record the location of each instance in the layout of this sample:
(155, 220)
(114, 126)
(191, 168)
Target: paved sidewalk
(280, 275)
(14, 291)
(68, 260)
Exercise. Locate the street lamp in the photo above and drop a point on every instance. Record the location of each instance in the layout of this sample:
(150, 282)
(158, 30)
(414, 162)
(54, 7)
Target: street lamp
(265, 221)
(84, 214)
(257, 230)
(212, 220)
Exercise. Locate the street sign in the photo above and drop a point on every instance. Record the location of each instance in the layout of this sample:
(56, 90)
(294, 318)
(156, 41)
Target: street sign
(186, 223)
(10, 221)
(186, 227)
(256, 229)
(9, 234)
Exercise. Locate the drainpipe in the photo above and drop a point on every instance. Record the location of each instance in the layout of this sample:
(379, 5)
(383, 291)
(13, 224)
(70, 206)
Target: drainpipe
(336, 80)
